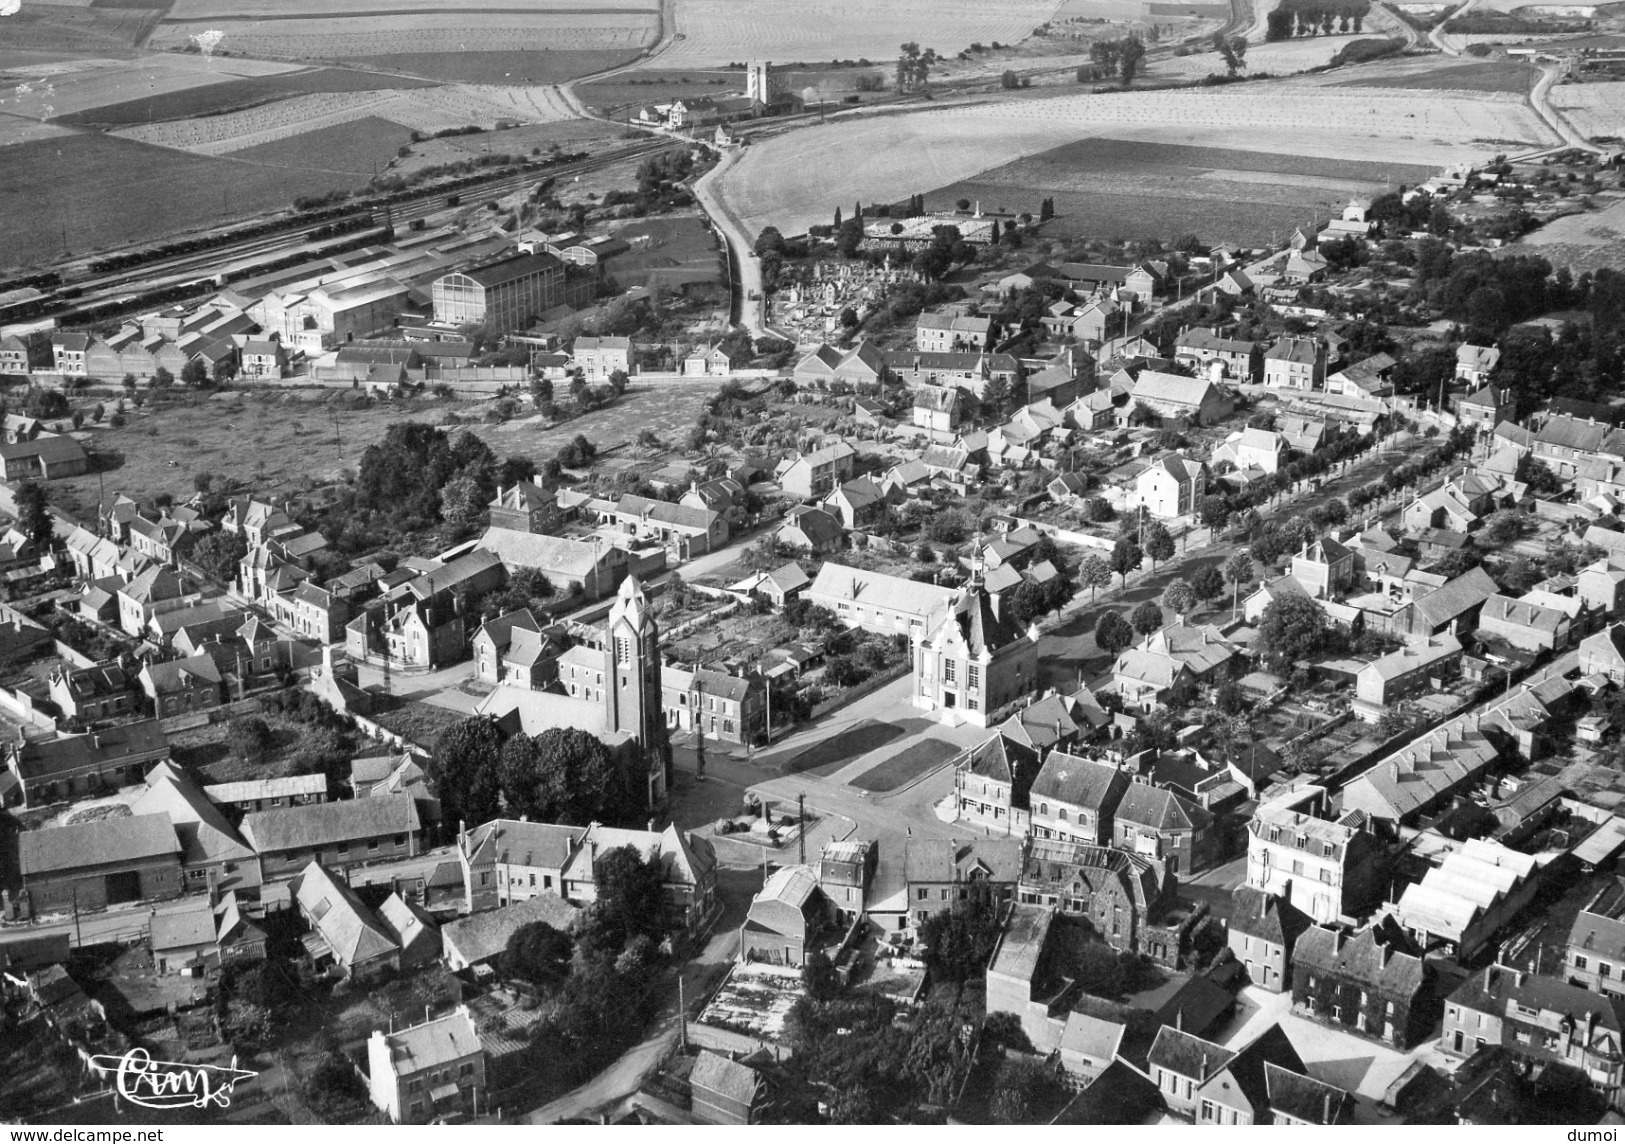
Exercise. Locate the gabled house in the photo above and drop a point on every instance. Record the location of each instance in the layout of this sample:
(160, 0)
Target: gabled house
(1074, 799)
(1171, 486)
(991, 784)
(1374, 981)
(345, 934)
(1263, 927)
(1475, 363)
(1296, 363)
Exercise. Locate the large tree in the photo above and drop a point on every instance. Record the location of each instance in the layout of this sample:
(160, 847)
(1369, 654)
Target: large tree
(1126, 556)
(959, 941)
(465, 771)
(1159, 543)
(1291, 630)
(1147, 618)
(536, 952)
(34, 516)
(1113, 633)
(1179, 596)
(1094, 573)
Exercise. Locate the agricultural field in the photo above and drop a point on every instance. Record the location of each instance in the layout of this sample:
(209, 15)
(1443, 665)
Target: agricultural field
(66, 91)
(1283, 58)
(714, 33)
(213, 11)
(350, 36)
(1593, 109)
(1487, 75)
(460, 65)
(427, 110)
(668, 253)
(14, 130)
(359, 147)
(235, 95)
(56, 28)
(125, 192)
(796, 180)
(1105, 188)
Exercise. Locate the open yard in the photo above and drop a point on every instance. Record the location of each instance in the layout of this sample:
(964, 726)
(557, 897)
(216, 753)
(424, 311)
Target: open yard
(798, 179)
(906, 766)
(717, 32)
(283, 439)
(1586, 241)
(1114, 188)
(126, 192)
(669, 253)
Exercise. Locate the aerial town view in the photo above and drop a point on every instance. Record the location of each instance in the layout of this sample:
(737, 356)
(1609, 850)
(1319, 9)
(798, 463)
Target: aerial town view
(733, 562)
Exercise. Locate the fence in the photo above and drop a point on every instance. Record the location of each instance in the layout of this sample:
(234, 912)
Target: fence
(385, 735)
(74, 656)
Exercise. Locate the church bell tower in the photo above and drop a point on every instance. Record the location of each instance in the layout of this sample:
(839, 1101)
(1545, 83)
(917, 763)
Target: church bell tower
(632, 671)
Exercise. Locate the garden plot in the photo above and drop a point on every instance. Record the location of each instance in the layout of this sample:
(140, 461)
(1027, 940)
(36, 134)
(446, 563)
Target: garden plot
(346, 37)
(54, 95)
(1592, 108)
(796, 180)
(712, 33)
(426, 109)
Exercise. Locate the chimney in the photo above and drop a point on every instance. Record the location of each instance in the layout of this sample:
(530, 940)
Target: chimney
(1326, 1117)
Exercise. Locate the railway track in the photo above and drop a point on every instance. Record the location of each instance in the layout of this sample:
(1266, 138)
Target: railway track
(80, 288)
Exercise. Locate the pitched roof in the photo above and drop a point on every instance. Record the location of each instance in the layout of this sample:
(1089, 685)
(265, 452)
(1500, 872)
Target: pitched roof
(482, 936)
(1079, 782)
(1467, 591)
(1187, 1055)
(1258, 913)
(1154, 385)
(348, 927)
(878, 590)
(729, 1079)
(1146, 805)
(106, 841)
(1378, 957)
(204, 833)
(433, 1044)
(324, 823)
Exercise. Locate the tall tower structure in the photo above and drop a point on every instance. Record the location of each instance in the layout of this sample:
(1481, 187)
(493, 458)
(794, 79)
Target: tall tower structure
(759, 82)
(632, 670)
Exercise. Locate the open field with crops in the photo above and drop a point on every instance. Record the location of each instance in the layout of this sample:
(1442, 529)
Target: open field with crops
(359, 147)
(348, 37)
(461, 65)
(1286, 57)
(1106, 188)
(122, 191)
(1592, 108)
(427, 110)
(65, 92)
(14, 130)
(1486, 75)
(55, 28)
(208, 11)
(796, 180)
(234, 95)
(717, 32)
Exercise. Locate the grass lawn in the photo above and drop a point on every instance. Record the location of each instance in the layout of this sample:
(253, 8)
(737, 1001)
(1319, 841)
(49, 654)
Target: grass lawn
(905, 766)
(831, 754)
(680, 251)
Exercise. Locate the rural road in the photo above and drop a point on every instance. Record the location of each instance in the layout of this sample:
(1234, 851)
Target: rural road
(1437, 34)
(1540, 101)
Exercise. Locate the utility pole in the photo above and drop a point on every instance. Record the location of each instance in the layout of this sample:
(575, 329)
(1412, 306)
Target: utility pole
(682, 1015)
(801, 825)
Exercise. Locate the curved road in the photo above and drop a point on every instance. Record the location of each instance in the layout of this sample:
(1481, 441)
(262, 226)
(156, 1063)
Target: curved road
(1437, 34)
(1550, 74)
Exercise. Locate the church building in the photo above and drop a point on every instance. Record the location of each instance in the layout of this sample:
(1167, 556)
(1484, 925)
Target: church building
(621, 703)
